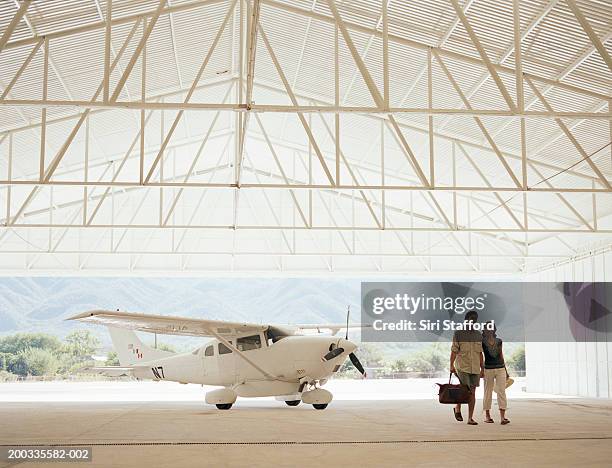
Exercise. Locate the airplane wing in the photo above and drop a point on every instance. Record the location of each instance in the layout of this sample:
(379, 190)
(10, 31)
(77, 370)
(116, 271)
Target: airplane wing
(168, 325)
(331, 327)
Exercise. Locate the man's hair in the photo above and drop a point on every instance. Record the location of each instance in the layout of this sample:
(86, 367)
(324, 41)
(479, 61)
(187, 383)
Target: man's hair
(471, 315)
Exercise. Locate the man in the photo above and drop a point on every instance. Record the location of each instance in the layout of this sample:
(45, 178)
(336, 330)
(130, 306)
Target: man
(466, 361)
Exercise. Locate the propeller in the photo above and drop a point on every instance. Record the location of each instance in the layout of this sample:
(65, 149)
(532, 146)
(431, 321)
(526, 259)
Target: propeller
(353, 356)
(357, 364)
(333, 353)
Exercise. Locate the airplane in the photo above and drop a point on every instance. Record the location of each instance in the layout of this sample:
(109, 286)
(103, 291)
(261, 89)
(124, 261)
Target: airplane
(245, 359)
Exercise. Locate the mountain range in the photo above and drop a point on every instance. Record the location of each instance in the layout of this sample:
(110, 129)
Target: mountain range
(41, 304)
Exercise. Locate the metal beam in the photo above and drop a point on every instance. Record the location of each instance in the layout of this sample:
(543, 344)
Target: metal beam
(482, 127)
(250, 227)
(388, 187)
(589, 32)
(300, 115)
(6, 35)
(586, 157)
(143, 40)
(297, 108)
(62, 151)
(192, 89)
(468, 59)
(483, 54)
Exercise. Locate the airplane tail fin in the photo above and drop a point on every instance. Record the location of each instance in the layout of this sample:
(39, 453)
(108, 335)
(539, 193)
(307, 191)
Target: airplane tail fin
(130, 350)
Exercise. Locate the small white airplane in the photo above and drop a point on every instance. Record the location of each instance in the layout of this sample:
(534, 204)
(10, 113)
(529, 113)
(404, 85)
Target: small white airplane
(246, 359)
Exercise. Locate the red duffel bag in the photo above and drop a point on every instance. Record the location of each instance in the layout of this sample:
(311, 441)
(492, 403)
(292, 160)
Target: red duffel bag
(452, 394)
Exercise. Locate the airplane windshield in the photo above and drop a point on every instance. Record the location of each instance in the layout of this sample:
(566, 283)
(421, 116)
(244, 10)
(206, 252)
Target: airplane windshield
(247, 343)
(275, 334)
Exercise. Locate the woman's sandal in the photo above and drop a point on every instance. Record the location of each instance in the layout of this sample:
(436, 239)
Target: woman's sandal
(457, 414)
(472, 423)
(505, 421)
(490, 421)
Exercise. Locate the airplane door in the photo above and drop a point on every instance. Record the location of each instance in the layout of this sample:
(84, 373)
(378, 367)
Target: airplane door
(226, 363)
(209, 362)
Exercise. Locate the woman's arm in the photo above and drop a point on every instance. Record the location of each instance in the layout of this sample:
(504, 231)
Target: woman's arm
(501, 353)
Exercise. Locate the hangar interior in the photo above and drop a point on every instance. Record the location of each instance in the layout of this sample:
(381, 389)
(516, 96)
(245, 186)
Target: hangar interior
(303, 136)
(441, 139)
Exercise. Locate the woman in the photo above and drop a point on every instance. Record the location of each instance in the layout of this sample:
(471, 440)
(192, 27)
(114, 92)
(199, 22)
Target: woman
(495, 374)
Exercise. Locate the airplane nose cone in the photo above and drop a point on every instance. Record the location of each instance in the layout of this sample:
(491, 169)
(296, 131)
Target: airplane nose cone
(348, 346)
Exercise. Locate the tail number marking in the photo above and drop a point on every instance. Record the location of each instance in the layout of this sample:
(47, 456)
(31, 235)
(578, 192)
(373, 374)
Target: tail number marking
(158, 372)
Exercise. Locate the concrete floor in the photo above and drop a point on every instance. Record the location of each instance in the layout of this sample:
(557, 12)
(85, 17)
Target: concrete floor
(264, 433)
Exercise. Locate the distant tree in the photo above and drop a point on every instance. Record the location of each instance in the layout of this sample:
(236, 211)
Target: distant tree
(368, 355)
(2, 361)
(112, 359)
(517, 360)
(166, 347)
(431, 360)
(81, 344)
(399, 365)
(14, 344)
(34, 361)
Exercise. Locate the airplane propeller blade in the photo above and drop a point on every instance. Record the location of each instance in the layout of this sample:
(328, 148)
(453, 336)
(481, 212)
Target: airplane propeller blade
(333, 353)
(357, 364)
(348, 313)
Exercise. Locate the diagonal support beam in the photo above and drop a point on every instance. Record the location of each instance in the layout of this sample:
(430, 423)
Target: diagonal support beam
(23, 8)
(562, 199)
(485, 179)
(483, 55)
(589, 32)
(378, 98)
(350, 171)
(586, 157)
(192, 89)
(281, 170)
(24, 65)
(195, 160)
(118, 171)
(483, 129)
(143, 40)
(300, 115)
(75, 130)
(62, 151)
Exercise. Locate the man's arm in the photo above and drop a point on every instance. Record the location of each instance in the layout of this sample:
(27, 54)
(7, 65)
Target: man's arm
(452, 361)
(453, 356)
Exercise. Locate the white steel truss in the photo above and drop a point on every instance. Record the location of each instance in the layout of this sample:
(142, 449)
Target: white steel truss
(239, 135)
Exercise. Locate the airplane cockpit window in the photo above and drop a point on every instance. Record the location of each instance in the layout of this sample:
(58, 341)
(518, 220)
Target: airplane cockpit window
(209, 351)
(247, 343)
(224, 349)
(275, 334)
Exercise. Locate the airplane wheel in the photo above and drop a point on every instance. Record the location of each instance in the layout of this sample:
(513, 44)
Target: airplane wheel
(293, 402)
(319, 406)
(224, 406)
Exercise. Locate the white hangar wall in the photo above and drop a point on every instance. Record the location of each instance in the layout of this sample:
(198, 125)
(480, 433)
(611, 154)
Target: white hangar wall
(583, 369)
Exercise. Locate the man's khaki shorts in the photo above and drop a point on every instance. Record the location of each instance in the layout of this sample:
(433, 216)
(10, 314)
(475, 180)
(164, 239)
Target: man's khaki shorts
(470, 380)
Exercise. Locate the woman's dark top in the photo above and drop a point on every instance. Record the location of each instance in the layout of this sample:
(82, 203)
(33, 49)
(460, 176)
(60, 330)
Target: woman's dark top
(493, 354)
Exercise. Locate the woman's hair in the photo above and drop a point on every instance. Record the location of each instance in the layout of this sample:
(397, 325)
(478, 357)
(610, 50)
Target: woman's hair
(486, 330)
(471, 315)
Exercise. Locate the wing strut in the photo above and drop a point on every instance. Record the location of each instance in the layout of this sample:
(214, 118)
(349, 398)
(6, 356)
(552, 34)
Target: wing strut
(246, 359)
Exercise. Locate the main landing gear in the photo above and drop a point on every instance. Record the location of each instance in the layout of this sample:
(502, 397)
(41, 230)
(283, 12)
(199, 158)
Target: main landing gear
(224, 406)
(293, 402)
